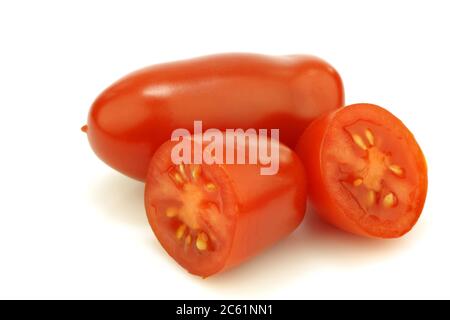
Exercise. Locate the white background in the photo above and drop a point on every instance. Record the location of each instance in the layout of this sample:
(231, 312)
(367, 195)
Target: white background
(71, 227)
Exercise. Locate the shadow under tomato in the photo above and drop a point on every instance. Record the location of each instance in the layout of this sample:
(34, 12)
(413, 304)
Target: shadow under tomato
(314, 245)
(121, 198)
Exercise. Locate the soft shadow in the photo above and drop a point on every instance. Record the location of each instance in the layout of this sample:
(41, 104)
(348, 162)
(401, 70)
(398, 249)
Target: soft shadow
(314, 245)
(121, 198)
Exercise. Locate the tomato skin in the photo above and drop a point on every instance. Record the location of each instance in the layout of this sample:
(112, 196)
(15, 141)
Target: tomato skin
(135, 115)
(270, 207)
(311, 148)
(265, 208)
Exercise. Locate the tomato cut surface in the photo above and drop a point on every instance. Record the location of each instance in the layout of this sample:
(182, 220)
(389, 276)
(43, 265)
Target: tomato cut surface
(188, 212)
(210, 218)
(366, 172)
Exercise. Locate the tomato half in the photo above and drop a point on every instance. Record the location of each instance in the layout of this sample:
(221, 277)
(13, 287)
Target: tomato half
(135, 115)
(211, 217)
(366, 172)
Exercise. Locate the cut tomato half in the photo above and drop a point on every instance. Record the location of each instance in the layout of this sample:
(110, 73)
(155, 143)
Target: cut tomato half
(366, 172)
(212, 217)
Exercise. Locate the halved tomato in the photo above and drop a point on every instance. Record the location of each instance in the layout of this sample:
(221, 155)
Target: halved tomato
(210, 217)
(366, 172)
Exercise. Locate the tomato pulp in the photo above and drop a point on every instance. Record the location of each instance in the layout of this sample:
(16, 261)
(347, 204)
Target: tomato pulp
(366, 172)
(135, 115)
(211, 217)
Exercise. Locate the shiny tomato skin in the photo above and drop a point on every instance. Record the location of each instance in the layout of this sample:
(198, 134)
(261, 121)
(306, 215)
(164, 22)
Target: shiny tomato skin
(254, 210)
(135, 115)
(332, 198)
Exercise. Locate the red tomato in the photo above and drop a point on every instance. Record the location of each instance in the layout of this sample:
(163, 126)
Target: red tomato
(366, 172)
(138, 113)
(213, 217)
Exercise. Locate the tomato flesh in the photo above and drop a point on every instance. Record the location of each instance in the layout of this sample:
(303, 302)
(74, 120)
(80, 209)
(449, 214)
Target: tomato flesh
(366, 171)
(191, 213)
(211, 217)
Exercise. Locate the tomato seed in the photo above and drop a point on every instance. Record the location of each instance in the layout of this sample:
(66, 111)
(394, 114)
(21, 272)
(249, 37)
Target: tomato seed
(196, 172)
(202, 241)
(370, 137)
(210, 187)
(171, 212)
(182, 171)
(396, 169)
(180, 231)
(389, 200)
(359, 141)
